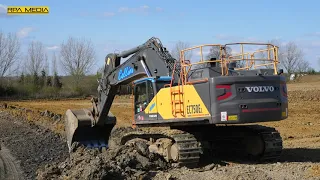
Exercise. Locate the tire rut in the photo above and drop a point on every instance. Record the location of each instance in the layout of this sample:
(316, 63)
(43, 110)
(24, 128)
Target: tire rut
(33, 146)
(9, 167)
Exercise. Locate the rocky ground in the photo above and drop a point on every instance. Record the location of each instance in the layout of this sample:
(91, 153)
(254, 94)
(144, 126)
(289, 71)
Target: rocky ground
(32, 139)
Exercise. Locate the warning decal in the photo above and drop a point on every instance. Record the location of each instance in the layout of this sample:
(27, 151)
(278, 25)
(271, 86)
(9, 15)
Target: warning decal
(224, 116)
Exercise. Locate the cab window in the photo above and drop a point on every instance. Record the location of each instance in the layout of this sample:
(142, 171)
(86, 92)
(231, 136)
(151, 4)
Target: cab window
(144, 93)
(150, 91)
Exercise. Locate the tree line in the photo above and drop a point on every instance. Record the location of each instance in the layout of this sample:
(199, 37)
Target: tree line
(34, 74)
(30, 74)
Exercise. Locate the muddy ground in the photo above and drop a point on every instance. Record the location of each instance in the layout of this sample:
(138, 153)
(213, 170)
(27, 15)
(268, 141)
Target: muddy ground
(39, 152)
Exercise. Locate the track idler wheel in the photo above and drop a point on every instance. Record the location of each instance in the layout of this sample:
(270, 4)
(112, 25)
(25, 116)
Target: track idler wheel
(174, 152)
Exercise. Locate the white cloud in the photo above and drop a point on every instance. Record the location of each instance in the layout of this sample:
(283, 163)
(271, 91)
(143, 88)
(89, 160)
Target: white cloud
(143, 8)
(52, 47)
(24, 32)
(3, 9)
(159, 9)
(284, 43)
(204, 52)
(224, 37)
(251, 39)
(123, 9)
(278, 37)
(235, 52)
(232, 38)
(317, 34)
(108, 14)
(315, 44)
(99, 14)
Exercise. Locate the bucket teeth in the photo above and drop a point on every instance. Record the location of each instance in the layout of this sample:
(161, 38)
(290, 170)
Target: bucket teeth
(95, 144)
(103, 144)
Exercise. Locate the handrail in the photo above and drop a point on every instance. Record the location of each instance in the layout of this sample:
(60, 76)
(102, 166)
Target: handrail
(248, 59)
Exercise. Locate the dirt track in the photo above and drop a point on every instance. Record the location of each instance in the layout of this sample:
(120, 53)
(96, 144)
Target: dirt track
(26, 142)
(9, 167)
(300, 159)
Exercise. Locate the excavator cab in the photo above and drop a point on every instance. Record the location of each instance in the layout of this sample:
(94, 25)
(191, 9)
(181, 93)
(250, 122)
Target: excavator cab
(145, 91)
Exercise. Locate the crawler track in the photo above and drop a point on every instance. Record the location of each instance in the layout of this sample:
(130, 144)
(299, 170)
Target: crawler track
(189, 149)
(254, 143)
(272, 143)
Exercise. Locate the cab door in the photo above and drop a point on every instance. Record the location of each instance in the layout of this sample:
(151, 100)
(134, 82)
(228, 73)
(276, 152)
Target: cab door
(151, 110)
(143, 95)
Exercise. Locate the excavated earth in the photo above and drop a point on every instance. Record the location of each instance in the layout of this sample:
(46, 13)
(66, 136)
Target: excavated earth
(34, 148)
(130, 161)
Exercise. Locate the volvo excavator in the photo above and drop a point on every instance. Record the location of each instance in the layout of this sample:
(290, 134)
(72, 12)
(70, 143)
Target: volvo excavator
(207, 105)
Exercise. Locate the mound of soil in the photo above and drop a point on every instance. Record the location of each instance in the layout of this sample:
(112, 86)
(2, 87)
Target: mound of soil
(130, 161)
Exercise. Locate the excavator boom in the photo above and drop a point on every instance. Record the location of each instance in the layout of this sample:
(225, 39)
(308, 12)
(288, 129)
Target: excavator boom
(92, 127)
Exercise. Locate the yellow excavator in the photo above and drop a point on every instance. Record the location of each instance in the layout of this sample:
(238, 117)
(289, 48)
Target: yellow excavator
(210, 104)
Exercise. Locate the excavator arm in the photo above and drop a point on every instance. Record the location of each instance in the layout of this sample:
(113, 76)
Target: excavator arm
(92, 127)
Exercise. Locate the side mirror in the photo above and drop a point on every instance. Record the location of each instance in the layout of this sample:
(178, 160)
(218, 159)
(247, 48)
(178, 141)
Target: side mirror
(280, 71)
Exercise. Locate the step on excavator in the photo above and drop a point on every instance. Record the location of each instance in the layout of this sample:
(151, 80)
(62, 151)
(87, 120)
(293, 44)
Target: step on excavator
(210, 105)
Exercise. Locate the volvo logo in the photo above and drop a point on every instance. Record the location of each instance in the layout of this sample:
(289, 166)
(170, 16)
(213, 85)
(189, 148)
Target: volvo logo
(260, 89)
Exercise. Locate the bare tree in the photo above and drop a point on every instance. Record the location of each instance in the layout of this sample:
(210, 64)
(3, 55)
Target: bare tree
(46, 66)
(214, 53)
(9, 52)
(55, 78)
(175, 52)
(291, 57)
(54, 63)
(303, 66)
(264, 54)
(77, 57)
(36, 57)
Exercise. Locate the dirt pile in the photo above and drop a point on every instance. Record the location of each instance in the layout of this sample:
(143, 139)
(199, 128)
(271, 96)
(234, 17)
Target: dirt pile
(132, 161)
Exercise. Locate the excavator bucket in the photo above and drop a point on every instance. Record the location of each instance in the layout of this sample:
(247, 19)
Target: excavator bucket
(80, 130)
